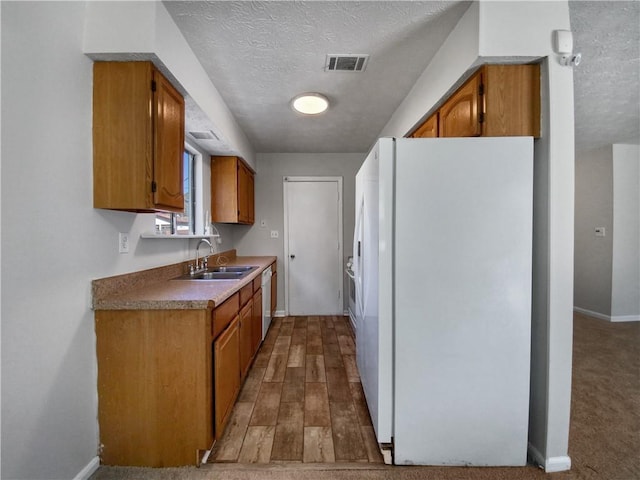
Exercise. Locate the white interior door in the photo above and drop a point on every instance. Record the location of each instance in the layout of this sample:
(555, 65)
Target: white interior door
(313, 245)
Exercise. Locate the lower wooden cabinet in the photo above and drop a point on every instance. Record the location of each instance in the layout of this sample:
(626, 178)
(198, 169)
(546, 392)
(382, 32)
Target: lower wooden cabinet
(226, 374)
(246, 338)
(155, 385)
(168, 379)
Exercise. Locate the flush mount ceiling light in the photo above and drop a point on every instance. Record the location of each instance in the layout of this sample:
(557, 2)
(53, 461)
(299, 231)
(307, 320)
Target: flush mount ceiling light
(310, 103)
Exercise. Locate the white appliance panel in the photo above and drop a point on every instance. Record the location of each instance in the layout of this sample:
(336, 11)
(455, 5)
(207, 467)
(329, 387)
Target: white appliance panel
(462, 278)
(266, 300)
(373, 241)
(365, 250)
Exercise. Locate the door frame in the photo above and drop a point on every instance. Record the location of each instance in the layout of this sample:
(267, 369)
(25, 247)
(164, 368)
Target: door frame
(340, 267)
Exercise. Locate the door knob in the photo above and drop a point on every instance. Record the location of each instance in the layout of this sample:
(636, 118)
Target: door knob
(292, 256)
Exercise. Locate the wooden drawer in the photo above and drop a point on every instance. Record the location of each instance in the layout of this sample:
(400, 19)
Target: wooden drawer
(246, 293)
(257, 283)
(223, 314)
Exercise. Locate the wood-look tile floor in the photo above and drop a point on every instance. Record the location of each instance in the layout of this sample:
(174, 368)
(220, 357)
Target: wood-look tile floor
(302, 400)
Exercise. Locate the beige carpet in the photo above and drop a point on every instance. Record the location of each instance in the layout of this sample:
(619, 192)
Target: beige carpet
(604, 442)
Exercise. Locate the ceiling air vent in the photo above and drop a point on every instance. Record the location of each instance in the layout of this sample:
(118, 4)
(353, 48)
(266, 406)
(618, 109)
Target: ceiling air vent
(209, 135)
(346, 63)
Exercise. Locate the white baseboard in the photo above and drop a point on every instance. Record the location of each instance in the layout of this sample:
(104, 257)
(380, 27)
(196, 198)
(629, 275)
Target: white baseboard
(558, 464)
(89, 469)
(551, 464)
(280, 313)
(626, 318)
(608, 318)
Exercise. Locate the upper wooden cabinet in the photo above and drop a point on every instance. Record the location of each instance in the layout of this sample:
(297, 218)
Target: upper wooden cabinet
(459, 116)
(232, 191)
(511, 100)
(138, 139)
(429, 129)
(497, 101)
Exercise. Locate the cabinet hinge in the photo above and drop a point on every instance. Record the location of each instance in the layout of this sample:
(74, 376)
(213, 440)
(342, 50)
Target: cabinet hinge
(153, 85)
(481, 89)
(154, 187)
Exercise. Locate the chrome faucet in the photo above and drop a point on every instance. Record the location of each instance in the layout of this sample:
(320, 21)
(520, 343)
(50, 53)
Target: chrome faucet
(198, 268)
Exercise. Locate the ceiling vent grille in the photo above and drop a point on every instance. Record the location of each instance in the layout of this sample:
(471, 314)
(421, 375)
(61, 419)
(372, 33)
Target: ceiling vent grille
(346, 63)
(204, 135)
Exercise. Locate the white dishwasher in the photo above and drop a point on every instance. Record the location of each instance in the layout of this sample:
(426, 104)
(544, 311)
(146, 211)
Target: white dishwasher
(266, 301)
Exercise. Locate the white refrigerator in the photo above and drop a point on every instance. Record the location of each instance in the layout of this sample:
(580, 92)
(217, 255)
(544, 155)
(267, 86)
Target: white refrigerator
(443, 265)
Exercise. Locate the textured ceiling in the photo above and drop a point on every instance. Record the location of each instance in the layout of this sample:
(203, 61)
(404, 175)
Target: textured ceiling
(261, 54)
(607, 81)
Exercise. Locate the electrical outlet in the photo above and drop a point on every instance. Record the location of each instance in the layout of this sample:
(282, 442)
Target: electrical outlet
(274, 233)
(123, 242)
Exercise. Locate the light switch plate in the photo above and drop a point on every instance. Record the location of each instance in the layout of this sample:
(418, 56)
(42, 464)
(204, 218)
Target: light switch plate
(601, 232)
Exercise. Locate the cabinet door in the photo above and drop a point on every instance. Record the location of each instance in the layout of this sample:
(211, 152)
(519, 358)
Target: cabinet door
(231, 191)
(256, 321)
(459, 116)
(168, 145)
(224, 189)
(226, 366)
(512, 100)
(429, 129)
(243, 193)
(246, 340)
(122, 133)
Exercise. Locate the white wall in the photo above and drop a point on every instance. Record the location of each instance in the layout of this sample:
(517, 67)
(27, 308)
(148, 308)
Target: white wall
(494, 31)
(455, 58)
(272, 167)
(625, 282)
(54, 243)
(594, 208)
(607, 269)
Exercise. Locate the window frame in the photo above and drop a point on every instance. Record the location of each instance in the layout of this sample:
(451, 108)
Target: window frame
(196, 197)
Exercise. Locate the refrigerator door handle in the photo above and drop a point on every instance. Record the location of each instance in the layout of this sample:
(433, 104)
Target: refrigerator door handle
(357, 235)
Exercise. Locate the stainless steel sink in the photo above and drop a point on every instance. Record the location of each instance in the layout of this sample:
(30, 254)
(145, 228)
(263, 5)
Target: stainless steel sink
(237, 268)
(220, 273)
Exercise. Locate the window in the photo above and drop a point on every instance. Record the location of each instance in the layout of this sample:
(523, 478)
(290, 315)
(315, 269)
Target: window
(181, 223)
